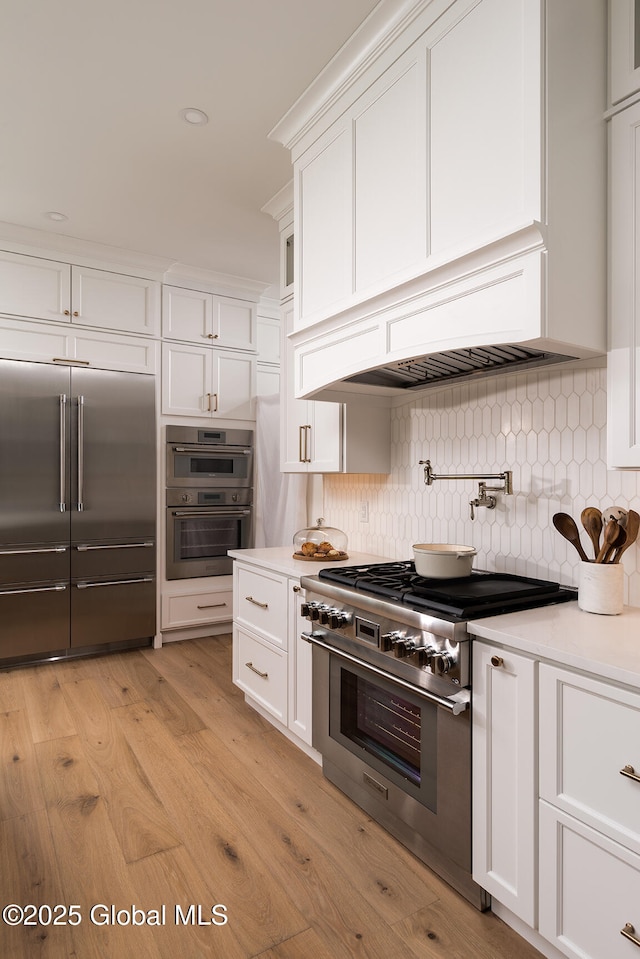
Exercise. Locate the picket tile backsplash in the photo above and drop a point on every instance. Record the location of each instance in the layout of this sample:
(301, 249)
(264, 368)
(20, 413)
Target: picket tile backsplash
(548, 427)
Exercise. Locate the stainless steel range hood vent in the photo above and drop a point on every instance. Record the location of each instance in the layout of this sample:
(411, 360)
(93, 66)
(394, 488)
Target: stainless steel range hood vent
(438, 368)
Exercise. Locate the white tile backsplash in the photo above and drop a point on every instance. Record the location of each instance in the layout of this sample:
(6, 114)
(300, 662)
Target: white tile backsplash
(548, 427)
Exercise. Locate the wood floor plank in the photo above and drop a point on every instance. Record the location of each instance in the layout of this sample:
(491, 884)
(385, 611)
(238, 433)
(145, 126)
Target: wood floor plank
(137, 816)
(49, 716)
(173, 879)
(11, 690)
(263, 911)
(91, 866)
(306, 945)
(19, 783)
(30, 876)
(385, 874)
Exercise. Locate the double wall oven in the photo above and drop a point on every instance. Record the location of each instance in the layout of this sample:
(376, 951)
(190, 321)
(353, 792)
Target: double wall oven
(391, 697)
(209, 499)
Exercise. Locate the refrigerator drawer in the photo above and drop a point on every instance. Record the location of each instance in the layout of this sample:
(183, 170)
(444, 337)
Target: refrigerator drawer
(31, 564)
(34, 619)
(115, 560)
(112, 610)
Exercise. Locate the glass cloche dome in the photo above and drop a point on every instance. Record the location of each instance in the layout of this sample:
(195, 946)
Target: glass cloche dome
(320, 543)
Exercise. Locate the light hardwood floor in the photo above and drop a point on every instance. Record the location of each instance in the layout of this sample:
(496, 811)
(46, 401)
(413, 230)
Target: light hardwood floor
(143, 779)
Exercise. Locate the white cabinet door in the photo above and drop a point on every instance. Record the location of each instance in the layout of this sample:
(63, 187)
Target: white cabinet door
(624, 49)
(623, 359)
(504, 777)
(187, 315)
(114, 301)
(260, 670)
(34, 287)
(589, 890)
(235, 324)
(234, 384)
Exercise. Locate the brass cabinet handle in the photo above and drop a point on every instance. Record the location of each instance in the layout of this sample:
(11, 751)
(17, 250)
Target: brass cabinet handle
(300, 438)
(307, 443)
(497, 661)
(256, 602)
(629, 932)
(66, 312)
(630, 772)
(213, 336)
(256, 671)
(211, 606)
(297, 589)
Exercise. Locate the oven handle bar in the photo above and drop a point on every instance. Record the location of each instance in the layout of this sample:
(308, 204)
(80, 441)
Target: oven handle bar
(214, 511)
(455, 704)
(214, 450)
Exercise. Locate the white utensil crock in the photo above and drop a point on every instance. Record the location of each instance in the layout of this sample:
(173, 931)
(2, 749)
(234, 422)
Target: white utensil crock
(601, 588)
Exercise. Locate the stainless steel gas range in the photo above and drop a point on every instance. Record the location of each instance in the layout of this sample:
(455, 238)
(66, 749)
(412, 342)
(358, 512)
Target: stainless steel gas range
(391, 697)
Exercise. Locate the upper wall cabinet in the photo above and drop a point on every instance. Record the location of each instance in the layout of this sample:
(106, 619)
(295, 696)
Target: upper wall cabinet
(37, 288)
(450, 186)
(624, 49)
(196, 317)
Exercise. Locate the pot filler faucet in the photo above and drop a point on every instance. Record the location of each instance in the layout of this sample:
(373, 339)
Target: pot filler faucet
(484, 497)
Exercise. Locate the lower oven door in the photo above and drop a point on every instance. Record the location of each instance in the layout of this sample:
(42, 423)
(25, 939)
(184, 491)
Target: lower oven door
(198, 540)
(402, 757)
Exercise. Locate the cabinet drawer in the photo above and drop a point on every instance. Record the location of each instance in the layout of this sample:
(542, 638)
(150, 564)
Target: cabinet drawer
(589, 732)
(194, 609)
(589, 889)
(261, 671)
(260, 602)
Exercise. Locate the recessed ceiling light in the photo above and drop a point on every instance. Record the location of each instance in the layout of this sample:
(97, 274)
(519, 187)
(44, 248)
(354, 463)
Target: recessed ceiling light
(194, 116)
(56, 216)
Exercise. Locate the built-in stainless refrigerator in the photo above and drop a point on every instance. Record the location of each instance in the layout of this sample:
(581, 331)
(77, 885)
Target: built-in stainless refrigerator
(77, 510)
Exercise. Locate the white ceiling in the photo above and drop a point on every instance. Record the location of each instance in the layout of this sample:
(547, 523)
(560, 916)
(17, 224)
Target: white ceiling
(90, 101)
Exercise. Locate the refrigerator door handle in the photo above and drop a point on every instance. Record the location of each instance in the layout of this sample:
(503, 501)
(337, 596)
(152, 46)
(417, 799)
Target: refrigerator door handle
(116, 582)
(24, 552)
(63, 449)
(33, 589)
(85, 549)
(80, 506)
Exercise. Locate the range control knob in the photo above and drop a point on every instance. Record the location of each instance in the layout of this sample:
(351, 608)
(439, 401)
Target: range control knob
(387, 640)
(404, 647)
(424, 654)
(310, 610)
(323, 613)
(337, 619)
(442, 663)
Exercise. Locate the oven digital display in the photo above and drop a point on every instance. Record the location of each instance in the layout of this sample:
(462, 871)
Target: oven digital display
(368, 631)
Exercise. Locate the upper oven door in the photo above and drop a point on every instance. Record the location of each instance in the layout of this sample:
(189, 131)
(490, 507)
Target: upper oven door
(199, 466)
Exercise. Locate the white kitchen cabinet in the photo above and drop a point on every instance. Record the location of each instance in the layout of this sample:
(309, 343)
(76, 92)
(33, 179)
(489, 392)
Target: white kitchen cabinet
(50, 290)
(207, 382)
(271, 663)
(427, 220)
(624, 49)
(623, 374)
(589, 827)
(504, 778)
(54, 342)
(199, 317)
(184, 606)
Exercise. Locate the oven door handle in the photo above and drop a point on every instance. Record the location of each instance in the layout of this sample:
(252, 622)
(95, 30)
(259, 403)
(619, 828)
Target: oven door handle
(214, 511)
(212, 450)
(455, 704)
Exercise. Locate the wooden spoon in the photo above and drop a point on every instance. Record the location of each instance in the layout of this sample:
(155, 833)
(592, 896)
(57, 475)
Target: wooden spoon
(633, 526)
(611, 537)
(592, 521)
(566, 526)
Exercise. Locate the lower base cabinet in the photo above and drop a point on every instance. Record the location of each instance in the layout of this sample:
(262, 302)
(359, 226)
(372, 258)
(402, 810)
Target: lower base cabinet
(556, 808)
(271, 664)
(186, 605)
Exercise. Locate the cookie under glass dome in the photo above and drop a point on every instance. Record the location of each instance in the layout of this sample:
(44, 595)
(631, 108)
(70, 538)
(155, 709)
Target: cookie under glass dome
(320, 543)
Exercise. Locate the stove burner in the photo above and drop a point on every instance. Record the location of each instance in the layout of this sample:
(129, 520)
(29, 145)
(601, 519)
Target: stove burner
(480, 594)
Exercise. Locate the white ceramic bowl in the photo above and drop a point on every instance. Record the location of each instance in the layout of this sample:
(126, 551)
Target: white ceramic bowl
(443, 561)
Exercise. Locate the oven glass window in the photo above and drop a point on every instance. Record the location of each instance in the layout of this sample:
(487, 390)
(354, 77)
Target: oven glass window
(206, 537)
(206, 464)
(383, 723)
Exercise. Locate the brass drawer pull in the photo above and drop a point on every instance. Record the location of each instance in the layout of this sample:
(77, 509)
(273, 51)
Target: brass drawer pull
(256, 671)
(255, 602)
(211, 606)
(630, 772)
(497, 661)
(630, 933)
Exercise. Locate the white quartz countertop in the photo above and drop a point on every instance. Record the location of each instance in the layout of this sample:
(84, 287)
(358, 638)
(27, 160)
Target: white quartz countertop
(280, 560)
(608, 646)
